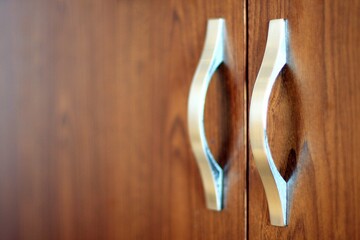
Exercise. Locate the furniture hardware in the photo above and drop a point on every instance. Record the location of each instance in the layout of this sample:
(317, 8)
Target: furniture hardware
(273, 61)
(212, 56)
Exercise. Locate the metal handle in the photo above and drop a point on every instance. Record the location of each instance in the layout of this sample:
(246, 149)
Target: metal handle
(273, 61)
(212, 56)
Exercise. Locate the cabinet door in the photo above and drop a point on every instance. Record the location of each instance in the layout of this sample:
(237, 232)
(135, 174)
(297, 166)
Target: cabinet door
(93, 122)
(313, 121)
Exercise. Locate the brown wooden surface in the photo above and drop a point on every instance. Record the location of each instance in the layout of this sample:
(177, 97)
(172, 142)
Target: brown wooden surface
(314, 117)
(93, 132)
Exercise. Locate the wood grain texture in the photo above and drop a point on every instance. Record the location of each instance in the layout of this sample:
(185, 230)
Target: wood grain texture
(313, 124)
(93, 133)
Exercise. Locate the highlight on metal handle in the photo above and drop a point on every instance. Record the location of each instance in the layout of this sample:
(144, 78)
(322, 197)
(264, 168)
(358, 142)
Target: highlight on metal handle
(212, 56)
(274, 184)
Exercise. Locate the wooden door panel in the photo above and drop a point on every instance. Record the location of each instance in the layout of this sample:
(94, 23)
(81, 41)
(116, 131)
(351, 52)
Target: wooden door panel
(313, 119)
(93, 133)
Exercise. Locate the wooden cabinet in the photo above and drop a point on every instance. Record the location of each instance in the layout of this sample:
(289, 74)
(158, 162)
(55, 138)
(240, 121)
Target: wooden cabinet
(313, 129)
(93, 123)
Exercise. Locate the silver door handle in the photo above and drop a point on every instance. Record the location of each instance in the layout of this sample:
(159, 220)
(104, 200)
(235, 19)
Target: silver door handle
(274, 184)
(212, 56)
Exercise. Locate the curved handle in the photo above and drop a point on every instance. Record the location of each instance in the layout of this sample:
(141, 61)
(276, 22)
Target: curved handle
(273, 61)
(212, 56)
